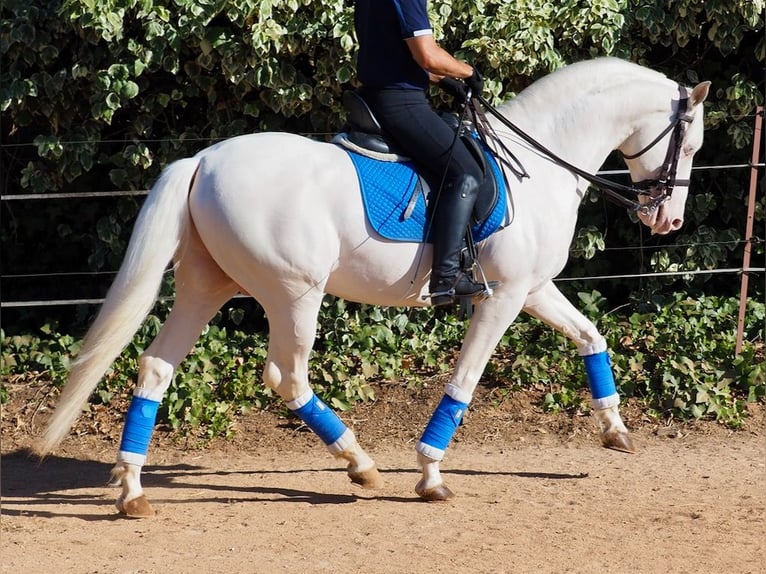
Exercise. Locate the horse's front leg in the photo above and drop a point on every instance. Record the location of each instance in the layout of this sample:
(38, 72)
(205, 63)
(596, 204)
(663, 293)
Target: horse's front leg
(550, 306)
(490, 320)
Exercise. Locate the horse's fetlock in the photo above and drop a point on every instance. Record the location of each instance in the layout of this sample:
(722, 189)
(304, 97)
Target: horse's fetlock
(425, 461)
(117, 474)
(609, 420)
(358, 460)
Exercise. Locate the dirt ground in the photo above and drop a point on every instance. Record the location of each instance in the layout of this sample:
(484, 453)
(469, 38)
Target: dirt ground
(535, 493)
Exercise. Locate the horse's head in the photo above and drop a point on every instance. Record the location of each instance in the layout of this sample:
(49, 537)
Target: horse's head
(659, 155)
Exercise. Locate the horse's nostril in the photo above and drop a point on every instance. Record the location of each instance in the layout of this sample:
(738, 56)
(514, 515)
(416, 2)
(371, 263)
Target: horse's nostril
(676, 224)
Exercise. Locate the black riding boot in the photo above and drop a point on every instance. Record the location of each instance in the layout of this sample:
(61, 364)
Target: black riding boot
(448, 280)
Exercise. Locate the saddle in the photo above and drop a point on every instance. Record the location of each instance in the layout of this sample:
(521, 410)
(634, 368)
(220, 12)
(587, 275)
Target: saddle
(364, 135)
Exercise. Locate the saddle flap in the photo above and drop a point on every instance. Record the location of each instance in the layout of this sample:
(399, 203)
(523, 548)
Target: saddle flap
(488, 189)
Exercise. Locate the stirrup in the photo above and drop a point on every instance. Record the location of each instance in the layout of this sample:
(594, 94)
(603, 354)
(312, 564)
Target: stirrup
(483, 290)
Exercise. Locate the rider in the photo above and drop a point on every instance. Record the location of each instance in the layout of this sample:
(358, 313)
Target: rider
(398, 57)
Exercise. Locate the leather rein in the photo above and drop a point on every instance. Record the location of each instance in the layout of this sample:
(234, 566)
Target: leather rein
(617, 193)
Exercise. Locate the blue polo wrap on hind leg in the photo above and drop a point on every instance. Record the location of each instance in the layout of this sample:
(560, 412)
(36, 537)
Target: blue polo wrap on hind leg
(441, 427)
(598, 370)
(319, 418)
(137, 433)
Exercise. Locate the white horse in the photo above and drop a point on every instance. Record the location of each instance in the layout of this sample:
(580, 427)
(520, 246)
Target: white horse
(279, 216)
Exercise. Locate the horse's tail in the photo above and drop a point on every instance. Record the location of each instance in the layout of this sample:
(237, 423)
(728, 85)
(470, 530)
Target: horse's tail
(157, 235)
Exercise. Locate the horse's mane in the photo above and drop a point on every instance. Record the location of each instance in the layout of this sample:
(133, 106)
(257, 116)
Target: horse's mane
(540, 103)
(582, 77)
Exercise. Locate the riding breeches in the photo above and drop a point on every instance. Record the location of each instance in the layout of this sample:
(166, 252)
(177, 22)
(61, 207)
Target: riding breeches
(408, 118)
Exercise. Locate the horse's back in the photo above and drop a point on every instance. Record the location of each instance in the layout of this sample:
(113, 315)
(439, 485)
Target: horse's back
(262, 178)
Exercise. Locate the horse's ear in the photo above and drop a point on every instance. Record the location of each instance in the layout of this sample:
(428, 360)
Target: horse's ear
(699, 93)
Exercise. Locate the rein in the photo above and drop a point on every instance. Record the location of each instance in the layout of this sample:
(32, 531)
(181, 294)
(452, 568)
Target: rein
(614, 191)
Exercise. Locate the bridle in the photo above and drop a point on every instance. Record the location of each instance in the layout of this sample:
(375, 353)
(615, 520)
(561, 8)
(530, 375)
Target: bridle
(667, 178)
(622, 194)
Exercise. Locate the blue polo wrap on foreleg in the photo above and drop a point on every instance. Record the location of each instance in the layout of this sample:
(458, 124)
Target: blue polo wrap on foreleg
(321, 419)
(598, 370)
(139, 425)
(441, 427)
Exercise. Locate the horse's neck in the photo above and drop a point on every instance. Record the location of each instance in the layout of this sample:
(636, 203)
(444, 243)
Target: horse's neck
(583, 124)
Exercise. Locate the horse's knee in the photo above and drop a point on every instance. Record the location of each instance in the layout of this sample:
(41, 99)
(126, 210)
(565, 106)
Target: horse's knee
(154, 376)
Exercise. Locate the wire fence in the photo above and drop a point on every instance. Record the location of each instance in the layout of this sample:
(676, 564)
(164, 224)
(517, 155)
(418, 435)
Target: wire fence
(125, 193)
(140, 192)
(187, 139)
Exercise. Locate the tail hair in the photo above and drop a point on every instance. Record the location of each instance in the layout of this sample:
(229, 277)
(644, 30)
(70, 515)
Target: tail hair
(158, 233)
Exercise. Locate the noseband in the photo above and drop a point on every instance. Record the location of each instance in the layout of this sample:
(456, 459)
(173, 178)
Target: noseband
(617, 193)
(666, 180)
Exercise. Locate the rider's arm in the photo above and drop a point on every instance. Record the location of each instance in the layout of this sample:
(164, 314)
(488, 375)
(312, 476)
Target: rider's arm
(435, 60)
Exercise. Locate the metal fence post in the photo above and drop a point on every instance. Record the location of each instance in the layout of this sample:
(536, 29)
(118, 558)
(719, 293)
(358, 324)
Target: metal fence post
(749, 228)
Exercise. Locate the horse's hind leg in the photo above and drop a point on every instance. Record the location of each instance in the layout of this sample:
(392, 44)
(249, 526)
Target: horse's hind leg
(201, 289)
(292, 330)
(549, 305)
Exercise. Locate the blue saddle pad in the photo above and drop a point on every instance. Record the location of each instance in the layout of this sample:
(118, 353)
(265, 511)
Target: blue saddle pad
(387, 191)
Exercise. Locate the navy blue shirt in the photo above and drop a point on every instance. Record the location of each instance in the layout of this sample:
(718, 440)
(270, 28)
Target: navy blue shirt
(382, 26)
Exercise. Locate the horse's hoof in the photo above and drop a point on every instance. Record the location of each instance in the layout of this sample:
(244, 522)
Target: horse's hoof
(366, 478)
(438, 493)
(136, 508)
(617, 440)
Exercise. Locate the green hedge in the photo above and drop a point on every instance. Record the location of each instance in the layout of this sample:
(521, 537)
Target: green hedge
(677, 357)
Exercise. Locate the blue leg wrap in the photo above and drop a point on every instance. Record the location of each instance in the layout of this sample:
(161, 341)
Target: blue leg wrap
(139, 424)
(598, 370)
(441, 427)
(322, 420)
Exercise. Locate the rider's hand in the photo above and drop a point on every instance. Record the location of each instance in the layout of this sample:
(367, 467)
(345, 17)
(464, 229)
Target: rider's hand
(454, 88)
(475, 83)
